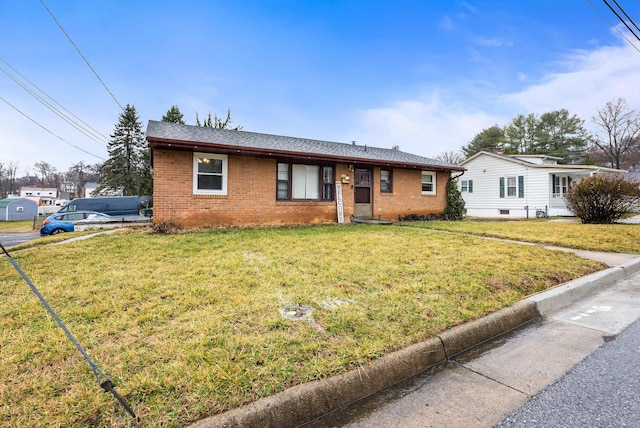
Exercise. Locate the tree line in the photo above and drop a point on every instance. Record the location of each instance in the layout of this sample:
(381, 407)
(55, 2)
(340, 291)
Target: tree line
(127, 170)
(615, 141)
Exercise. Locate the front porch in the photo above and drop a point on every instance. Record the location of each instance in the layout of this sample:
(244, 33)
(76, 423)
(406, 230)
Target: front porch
(559, 185)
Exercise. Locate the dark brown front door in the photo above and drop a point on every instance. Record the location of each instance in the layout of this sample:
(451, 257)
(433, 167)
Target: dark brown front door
(362, 189)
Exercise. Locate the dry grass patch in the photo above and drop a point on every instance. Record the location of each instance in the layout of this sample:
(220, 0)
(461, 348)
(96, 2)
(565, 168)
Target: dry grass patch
(20, 225)
(617, 238)
(191, 325)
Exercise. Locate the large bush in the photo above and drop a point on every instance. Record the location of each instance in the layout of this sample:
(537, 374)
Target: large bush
(603, 198)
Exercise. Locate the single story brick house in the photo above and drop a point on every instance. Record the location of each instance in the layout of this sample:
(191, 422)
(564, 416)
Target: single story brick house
(218, 177)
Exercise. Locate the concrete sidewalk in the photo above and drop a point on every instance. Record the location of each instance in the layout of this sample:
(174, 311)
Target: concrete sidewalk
(473, 388)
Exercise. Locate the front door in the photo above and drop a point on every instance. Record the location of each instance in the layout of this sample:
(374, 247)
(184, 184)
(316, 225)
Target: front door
(362, 196)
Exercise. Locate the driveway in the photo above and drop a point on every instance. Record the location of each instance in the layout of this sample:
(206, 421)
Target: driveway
(9, 239)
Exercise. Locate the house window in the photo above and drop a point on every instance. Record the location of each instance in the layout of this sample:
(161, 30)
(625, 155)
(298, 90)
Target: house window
(309, 182)
(209, 174)
(327, 183)
(385, 181)
(561, 185)
(466, 186)
(428, 183)
(283, 181)
(19, 209)
(512, 186)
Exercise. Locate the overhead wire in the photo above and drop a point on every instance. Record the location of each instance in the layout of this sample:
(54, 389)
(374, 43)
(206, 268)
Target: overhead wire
(81, 55)
(615, 27)
(83, 127)
(625, 14)
(620, 18)
(49, 131)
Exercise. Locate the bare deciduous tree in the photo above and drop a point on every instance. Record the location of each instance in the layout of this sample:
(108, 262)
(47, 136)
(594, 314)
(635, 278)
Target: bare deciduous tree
(618, 133)
(450, 157)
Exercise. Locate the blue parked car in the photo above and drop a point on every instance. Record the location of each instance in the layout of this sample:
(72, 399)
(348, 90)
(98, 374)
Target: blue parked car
(64, 222)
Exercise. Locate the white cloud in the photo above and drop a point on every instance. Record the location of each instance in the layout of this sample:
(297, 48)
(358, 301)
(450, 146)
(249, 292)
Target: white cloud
(493, 42)
(426, 126)
(589, 81)
(431, 123)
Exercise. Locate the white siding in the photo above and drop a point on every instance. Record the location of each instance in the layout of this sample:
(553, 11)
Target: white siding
(485, 201)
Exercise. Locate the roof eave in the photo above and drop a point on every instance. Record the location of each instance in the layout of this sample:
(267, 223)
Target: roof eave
(161, 143)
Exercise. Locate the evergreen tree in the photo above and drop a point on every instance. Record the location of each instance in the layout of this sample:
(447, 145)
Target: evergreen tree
(126, 170)
(561, 135)
(488, 139)
(521, 135)
(173, 115)
(455, 203)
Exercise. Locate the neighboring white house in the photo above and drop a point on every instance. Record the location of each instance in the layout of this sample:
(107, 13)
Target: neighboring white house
(498, 185)
(46, 195)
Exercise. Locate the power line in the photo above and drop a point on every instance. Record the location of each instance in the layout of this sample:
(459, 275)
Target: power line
(620, 18)
(615, 27)
(90, 132)
(81, 55)
(50, 132)
(625, 14)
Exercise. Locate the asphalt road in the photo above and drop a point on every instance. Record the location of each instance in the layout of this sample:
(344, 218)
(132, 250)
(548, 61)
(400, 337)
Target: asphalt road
(9, 239)
(603, 390)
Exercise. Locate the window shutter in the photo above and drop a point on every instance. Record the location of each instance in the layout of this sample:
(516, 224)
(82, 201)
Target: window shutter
(502, 187)
(470, 186)
(521, 186)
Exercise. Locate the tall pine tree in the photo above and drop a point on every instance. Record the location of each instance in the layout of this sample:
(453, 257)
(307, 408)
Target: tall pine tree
(173, 115)
(127, 169)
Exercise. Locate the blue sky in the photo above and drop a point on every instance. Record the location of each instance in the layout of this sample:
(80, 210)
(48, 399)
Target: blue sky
(424, 75)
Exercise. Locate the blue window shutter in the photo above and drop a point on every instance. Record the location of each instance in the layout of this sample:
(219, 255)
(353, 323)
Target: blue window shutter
(470, 186)
(502, 187)
(521, 186)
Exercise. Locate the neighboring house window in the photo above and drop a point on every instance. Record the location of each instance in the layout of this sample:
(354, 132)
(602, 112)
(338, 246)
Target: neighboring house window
(512, 186)
(298, 181)
(561, 185)
(209, 174)
(466, 186)
(19, 209)
(428, 183)
(385, 181)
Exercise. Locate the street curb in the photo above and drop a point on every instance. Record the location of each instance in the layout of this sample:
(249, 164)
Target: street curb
(563, 295)
(468, 335)
(303, 403)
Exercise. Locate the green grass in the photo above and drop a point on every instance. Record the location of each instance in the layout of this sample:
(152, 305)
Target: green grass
(190, 325)
(20, 225)
(618, 238)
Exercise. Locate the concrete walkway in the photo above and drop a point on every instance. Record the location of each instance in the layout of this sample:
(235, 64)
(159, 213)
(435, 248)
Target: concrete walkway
(467, 383)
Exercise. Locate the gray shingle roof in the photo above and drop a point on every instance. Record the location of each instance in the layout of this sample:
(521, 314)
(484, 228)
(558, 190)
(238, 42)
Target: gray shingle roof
(197, 135)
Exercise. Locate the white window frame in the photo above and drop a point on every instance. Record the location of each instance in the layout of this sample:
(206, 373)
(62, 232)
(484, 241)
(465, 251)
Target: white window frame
(224, 174)
(433, 182)
(515, 186)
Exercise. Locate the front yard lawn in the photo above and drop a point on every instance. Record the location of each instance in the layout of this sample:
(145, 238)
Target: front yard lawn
(617, 238)
(191, 325)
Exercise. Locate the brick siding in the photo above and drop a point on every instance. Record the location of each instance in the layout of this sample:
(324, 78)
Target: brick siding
(251, 195)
